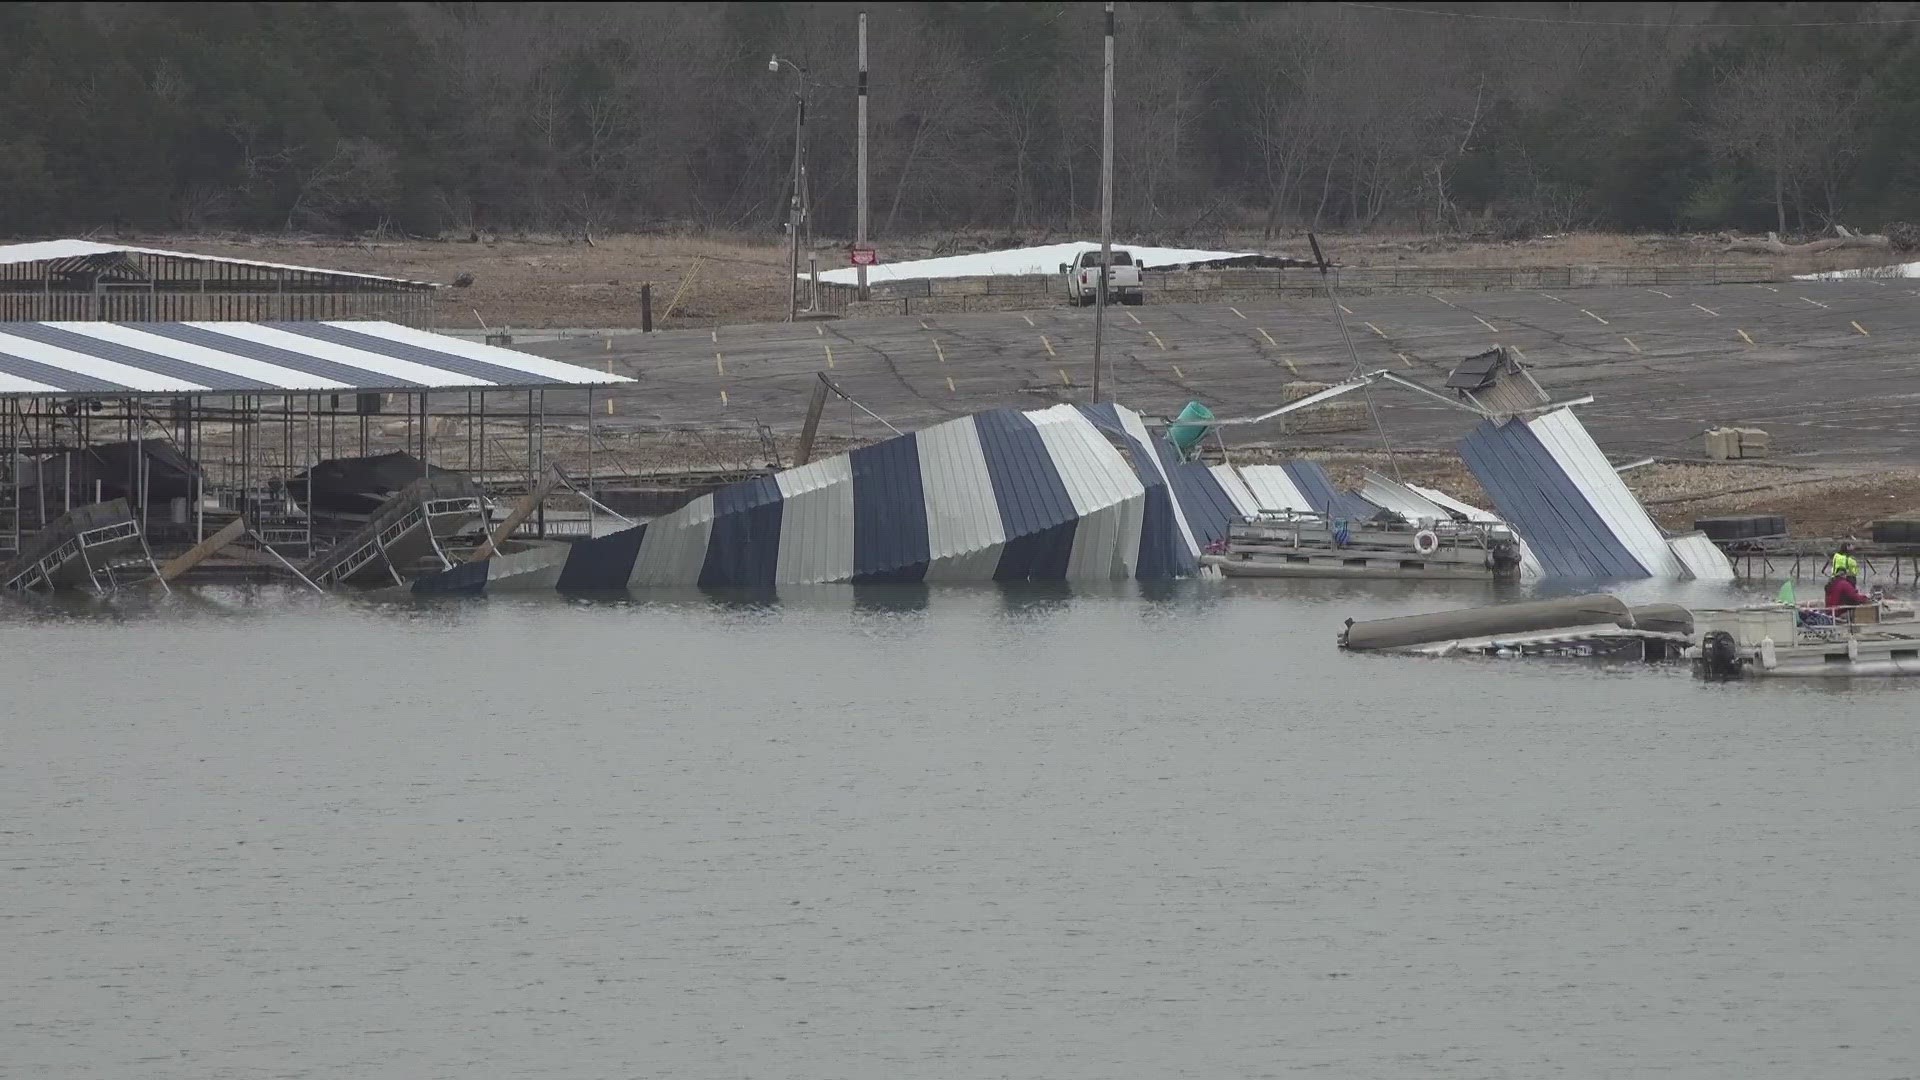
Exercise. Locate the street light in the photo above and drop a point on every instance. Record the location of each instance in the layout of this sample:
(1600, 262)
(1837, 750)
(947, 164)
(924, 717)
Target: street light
(797, 210)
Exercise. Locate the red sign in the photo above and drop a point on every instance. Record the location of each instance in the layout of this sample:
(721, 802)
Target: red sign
(865, 256)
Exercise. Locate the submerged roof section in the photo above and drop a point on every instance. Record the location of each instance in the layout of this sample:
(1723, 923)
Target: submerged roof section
(64, 250)
(43, 359)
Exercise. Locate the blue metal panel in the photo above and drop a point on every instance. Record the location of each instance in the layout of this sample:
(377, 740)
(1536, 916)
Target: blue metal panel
(1208, 508)
(1163, 551)
(743, 551)
(1534, 495)
(889, 513)
(286, 358)
(467, 579)
(1035, 509)
(400, 350)
(1317, 486)
(212, 378)
(61, 378)
(605, 562)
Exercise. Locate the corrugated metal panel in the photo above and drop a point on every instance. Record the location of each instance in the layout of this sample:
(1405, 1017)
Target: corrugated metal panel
(603, 562)
(1272, 488)
(743, 551)
(1165, 548)
(170, 358)
(675, 546)
(1535, 496)
(1579, 456)
(1097, 481)
(965, 536)
(1036, 510)
(256, 339)
(889, 513)
(1312, 481)
(1210, 510)
(48, 250)
(817, 522)
(1244, 504)
(1162, 458)
(1703, 561)
(1401, 499)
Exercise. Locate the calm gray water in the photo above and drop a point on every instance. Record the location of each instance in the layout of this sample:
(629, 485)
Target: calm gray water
(970, 833)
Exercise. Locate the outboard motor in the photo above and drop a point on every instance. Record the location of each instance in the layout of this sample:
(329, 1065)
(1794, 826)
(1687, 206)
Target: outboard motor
(1503, 558)
(1719, 656)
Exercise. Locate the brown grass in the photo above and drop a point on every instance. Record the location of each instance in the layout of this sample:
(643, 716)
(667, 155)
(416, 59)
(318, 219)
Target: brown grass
(545, 282)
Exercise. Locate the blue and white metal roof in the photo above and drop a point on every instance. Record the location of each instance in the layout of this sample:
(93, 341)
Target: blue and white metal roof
(40, 359)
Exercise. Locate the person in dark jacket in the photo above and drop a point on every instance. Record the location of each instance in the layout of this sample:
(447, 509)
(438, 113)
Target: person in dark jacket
(1843, 595)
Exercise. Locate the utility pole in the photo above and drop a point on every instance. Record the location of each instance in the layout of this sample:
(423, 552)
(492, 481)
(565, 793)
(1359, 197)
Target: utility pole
(796, 210)
(860, 222)
(1106, 206)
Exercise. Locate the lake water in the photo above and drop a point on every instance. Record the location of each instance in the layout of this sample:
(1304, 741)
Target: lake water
(966, 833)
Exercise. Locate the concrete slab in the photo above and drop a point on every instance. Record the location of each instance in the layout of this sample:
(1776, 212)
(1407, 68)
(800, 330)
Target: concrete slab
(1664, 364)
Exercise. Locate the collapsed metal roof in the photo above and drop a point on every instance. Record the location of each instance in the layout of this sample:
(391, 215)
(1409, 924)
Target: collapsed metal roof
(71, 255)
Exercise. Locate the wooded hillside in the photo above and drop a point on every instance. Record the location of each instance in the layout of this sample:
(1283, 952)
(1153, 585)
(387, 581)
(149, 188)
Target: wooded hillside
(429, 118)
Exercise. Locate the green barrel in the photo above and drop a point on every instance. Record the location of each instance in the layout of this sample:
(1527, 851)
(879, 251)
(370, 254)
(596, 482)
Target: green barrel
(1190, 427)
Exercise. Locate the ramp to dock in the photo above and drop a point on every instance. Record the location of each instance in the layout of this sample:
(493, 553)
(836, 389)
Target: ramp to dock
(81, 547)
(404, 533)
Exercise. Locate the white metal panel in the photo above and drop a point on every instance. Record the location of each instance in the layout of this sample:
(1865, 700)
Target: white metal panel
(523, 571)
(674, 547)
(1529, 563)
(1045, 259)
(816, 522)
(537, 366)
(1702, 559)
(965, 533)
(404, 370)
(139, 379)
(1397, 497)
(1273, 490)
(268, 374)
(1130, 422)
(1098, 481)
(1579, 456)
(13, 384)
(1229, 480)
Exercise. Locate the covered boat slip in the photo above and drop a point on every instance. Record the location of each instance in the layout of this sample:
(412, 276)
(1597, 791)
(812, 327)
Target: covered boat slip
(196, 424)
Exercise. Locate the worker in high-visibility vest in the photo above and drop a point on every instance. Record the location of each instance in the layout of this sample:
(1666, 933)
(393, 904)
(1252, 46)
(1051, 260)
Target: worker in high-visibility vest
(1844, 562)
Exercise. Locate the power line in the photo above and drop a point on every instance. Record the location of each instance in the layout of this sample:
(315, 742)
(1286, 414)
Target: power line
(1634, 25)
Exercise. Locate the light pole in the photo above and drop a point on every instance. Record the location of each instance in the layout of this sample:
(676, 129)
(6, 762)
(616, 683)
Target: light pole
(1106, 206)
(796, 211)
(860, 214)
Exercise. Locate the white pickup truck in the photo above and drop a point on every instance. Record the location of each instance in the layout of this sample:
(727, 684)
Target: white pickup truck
(1083, 279)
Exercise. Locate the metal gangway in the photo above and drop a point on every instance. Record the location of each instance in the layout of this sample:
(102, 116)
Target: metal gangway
(407, 530)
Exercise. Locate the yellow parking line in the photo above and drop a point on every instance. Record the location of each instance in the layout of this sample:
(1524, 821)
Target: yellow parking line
(1630, 343)
(1744, 337)
(938, 351)
(723, 399)
(1486, 324)
(1657, 292)
(1064, 381)
(1177, 373)
(1269, 337)
(1290, 367)
(1444, 300)
(950, 388)
(1594, 317)
(819, 330)
(1403, 359)
(1553, 298)
(1862, 329)
(829, 349)
(1769, 288)
(1048, 344)
(719, 365)
(1814, 302)
(1029, 319)
(924, 326)
(1131, 315)
(1375, 329)
(1235, 310)
(1344, 307)
(1156, 338)
(1708, 310)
